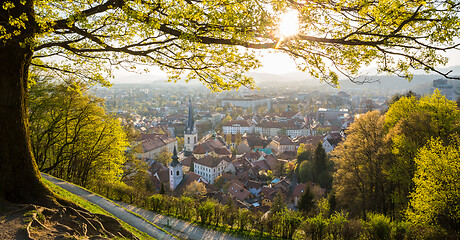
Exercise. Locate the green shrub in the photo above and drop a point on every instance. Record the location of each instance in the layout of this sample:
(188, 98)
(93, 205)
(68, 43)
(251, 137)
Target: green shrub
(315, 227)
(156, 202)
(378, 226)
(399, 230)
(425, 232)
(336, 225)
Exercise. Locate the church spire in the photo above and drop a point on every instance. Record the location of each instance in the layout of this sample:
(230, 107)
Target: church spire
(190, 126)
(174, 157)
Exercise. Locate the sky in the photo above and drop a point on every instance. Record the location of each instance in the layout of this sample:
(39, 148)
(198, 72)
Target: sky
(273, 63)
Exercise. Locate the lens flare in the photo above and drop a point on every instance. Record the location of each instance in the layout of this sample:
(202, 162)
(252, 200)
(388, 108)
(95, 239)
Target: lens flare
(289, 23)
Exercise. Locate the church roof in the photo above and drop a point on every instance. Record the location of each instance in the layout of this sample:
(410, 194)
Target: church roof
(190, 125)
(175, 159)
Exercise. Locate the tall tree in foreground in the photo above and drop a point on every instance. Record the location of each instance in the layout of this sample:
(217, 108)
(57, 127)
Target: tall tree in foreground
(71, 135)
(205, 40)
(411, 123)
(361, 181)
(436, 198)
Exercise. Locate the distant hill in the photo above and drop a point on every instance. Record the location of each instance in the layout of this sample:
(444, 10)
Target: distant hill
(381, 84)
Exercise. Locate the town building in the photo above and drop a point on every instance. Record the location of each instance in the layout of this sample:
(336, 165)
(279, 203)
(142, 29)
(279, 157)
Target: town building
(238, 126)
(152, 144)
(210, 167)
(331, 116)
(282, 144)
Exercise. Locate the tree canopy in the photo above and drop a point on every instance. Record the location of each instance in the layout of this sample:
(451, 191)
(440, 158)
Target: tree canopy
(212, 41)
(436, 198)
(200, 39)
(71, 135)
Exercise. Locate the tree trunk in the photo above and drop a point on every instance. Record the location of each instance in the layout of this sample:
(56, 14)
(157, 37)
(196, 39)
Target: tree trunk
(20, 180)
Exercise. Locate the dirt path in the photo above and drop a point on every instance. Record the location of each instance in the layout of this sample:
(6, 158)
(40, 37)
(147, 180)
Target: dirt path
(120, 212)
(182, 229)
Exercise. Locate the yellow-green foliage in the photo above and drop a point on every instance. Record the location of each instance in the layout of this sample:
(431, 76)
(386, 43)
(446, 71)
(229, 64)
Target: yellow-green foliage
(436, 199)
(216, 41)
(411, 123)
(72, 137)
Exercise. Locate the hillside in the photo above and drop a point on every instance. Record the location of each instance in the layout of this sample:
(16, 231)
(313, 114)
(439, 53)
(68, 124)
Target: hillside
(82, 220)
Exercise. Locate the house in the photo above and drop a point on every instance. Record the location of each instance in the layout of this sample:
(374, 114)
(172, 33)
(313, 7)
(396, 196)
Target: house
(314, 140)
(188, 179)
(282, 184)
(210, 167)
(212, 145)
(271, 161)
(262, 165)
(187, 163)
(238, 165)
(287, 115)
(297, 193)
(243, 147)
(332, 116)
(255, 140)
(237, 126)
(282, 143)
(254, 187)
(287, 155)
(330, 141)
(152, 144)
(237, 191)
(253, 155)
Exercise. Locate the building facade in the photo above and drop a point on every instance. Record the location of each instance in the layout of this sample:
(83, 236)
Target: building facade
(210, 167)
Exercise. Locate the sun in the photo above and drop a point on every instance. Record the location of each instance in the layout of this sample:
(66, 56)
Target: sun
(289, 23)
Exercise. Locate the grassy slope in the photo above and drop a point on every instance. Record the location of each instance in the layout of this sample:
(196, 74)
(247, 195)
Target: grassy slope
(92, 208)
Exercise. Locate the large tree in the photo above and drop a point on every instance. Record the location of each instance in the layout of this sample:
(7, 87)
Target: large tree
(361, 180)
(205, 40)
(411, 123)
(436, 198)
(71, 135)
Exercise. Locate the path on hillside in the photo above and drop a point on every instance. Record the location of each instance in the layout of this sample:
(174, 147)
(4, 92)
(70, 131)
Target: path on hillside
(182, 229)
(119, 212)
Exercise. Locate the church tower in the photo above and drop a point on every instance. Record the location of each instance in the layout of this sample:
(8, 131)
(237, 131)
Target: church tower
(190, 134)
(175, 171)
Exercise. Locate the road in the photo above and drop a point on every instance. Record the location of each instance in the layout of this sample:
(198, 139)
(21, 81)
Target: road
(182, 229)
(123, 211)
(118, 211)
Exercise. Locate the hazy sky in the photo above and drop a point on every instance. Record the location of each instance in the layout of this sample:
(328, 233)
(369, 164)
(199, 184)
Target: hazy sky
(273, 63)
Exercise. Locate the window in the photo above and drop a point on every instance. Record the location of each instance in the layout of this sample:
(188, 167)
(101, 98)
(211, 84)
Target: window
(188, 140)
(177, 173)
(171, 172)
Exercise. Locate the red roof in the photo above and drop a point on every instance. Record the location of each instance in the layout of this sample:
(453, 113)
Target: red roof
(188, 161)
(298, 190)
(210, 161)
(155, 141)
(238, 192)
(284, 140)
(262, 164)
(241, 123)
